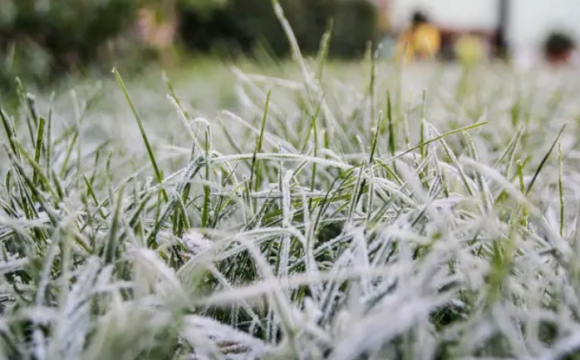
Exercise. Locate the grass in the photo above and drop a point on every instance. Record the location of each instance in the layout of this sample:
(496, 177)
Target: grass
(358, 211)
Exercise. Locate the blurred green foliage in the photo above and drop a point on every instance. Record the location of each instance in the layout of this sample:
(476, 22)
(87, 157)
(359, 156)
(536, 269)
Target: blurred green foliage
(39, 39)
(42, 39)
(241, 24)
(201, 5)
(164, 8)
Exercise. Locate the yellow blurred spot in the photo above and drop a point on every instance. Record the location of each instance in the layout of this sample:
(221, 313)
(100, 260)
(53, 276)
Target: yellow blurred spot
(420, 43)
(470, 49)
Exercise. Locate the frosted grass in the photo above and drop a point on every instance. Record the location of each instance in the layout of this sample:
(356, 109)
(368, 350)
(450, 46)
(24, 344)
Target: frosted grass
(308, 220)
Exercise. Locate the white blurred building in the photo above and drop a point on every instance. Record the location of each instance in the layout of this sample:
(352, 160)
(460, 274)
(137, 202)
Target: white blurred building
(529, 21)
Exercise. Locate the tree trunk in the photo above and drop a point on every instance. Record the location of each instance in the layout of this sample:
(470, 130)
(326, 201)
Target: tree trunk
(501, 43)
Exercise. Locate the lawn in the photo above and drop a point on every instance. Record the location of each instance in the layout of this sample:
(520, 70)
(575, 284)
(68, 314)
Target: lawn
(302, 209)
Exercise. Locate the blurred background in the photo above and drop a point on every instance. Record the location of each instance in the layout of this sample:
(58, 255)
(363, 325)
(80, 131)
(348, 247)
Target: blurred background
(43, 40)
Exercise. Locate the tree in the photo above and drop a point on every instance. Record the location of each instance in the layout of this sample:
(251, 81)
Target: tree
(41, 39)
(158, 21)
(240, 24)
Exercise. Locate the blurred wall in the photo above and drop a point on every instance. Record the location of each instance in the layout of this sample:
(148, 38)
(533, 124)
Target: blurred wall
(531, 20)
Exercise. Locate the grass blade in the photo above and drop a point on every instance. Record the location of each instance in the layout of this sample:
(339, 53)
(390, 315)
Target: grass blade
(158, 174)
(543, 162)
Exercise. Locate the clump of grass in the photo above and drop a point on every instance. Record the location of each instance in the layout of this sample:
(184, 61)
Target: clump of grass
(317, 220)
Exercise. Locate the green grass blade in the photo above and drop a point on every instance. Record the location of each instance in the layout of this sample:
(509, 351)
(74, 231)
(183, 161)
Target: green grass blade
(258, 147)
(561, 189)
(443, 136)
(10, 132)
(543, 162)
(39, 146)
(158, 174)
